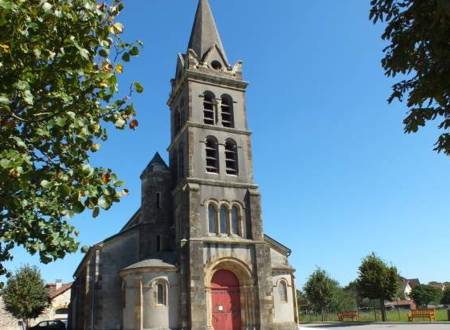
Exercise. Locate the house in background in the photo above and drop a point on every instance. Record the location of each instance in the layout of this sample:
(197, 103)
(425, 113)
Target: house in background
(406, 287)
(59, 298)
(438, 285)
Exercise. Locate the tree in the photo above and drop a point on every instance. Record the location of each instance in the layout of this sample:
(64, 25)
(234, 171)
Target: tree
(342, 300)
(446, 296)
(319, 290)
(377, 280)
(418, 32)
(59, 67)
(25, 294)
(424, 294)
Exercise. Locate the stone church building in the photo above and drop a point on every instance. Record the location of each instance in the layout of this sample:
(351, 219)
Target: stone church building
(195, 255)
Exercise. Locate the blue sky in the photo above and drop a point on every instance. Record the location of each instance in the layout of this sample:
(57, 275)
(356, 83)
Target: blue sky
(339, 178)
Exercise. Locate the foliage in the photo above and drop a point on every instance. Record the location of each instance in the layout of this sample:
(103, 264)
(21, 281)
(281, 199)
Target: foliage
(343, 300)
(424, 294)
(418, 32)
(368, 315)
(25, 295)
(59, 67)
(446, 296)
(319, 290)
(377, 280)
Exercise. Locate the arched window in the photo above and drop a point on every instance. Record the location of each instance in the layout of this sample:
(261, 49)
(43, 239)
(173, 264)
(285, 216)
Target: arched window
(227, 111)
(177, 121)
(212, 155)
(231, 157)
(282, 291)
(235, 220)
(223, 219)
(209, 112)
(161, 294)
(212, 219)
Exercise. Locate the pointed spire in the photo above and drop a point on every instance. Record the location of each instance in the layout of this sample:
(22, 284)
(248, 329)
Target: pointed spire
(157, 164)
(204, 32)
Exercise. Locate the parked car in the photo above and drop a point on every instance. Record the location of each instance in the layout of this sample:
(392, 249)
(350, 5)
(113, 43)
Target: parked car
(49, 325)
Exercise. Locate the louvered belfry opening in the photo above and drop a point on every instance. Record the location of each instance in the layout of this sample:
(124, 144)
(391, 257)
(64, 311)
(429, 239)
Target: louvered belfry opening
(231, 157)
(212, 155)
(209, 113)
(227, 112)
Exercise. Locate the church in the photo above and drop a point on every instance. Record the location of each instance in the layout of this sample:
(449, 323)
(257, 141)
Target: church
(195, 255)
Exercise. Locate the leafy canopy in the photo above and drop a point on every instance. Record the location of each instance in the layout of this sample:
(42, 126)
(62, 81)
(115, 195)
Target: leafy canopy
(418, 32)
(446, 296)
(424, 294)
(25, 295)
(319, 290)
(377, 280)
(59, 67)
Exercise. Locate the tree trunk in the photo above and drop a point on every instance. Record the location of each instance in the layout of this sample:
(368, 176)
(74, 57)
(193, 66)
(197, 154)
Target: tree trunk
(383, 310)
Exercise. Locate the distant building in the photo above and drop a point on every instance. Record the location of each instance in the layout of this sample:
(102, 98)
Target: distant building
(439, 286)
(402, 304)
(59, 297)
(406, 287)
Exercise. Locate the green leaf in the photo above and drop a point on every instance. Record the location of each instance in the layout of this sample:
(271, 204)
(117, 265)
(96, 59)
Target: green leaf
(45, 184)
(61, 122)
(47, 7)
(78, 208)
(64, 189)
(4, 99)
(104, 52)
(126, 57)
(134, 51)
(28, 97)
(120, 123)
(139, 87)
(119, 183)
(21, 85)
(85, 249)
(104, 204)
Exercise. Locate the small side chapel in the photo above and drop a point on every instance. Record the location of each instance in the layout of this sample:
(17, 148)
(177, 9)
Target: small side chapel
(194, 256)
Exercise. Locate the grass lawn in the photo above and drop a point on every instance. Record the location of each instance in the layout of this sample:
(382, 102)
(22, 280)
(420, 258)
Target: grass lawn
(392, 316)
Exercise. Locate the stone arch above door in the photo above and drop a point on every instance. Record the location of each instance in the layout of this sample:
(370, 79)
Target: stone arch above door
(248, 296)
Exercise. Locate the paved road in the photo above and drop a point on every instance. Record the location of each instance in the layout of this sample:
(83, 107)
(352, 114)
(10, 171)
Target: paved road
(423, 326)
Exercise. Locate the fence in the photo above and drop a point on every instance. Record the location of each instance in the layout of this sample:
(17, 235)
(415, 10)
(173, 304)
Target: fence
(367, 315)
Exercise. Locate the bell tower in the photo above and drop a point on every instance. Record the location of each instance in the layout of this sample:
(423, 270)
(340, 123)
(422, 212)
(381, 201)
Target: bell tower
(216, 205)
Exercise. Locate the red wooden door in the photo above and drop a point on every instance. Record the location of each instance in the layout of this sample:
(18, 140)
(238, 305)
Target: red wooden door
(226, 301)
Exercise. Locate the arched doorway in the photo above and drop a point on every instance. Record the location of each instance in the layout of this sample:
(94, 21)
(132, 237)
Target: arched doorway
(225, 301)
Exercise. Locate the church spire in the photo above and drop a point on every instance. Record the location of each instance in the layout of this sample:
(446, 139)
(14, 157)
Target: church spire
(204, 32)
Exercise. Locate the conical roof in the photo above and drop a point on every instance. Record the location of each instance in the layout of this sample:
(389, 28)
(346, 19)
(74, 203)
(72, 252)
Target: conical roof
(204, 32)
(157, 164)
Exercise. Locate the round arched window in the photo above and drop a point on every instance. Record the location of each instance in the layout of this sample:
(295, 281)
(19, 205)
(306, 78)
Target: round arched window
(216, 65)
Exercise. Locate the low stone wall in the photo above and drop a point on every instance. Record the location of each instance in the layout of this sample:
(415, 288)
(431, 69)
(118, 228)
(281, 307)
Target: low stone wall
(7, 321)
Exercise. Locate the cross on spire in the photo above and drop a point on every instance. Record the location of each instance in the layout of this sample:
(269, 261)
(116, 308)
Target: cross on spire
(204, 32)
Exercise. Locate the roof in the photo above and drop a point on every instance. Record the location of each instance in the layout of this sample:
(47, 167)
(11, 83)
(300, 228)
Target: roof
(156, 260)
(414, 282)
(53, 292)
(275, 243)
(121, 233)
(204, 33)
(157, 164)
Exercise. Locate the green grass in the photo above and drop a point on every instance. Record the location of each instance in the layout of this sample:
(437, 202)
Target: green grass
(392, 316)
